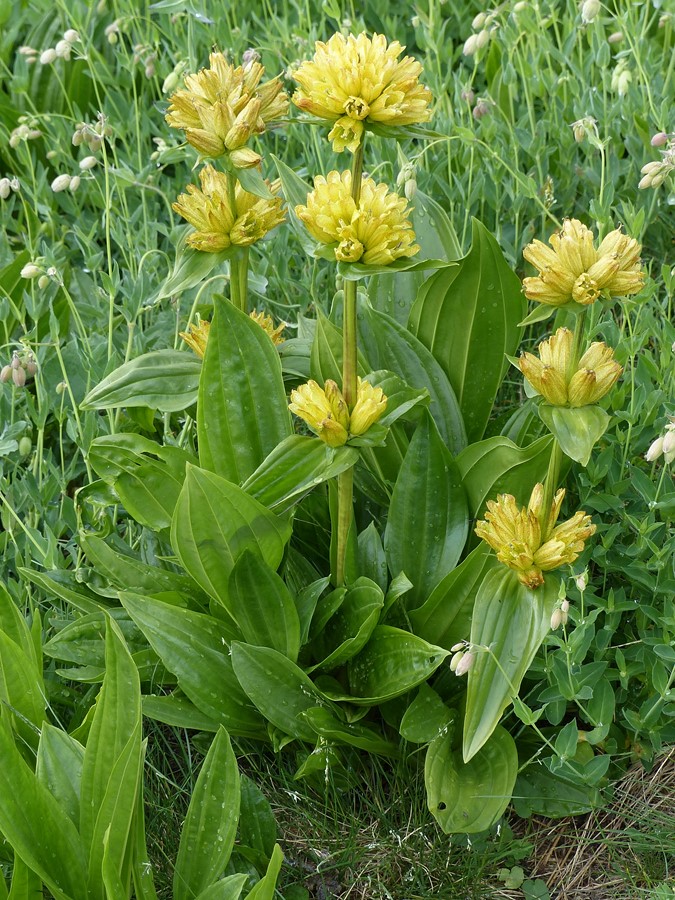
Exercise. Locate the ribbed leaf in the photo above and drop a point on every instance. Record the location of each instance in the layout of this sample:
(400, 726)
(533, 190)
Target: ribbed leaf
(214, 522)
(349, 629)
(195, 647)
(210, 826)
(428, 517)
(512, 621)
(265, 889)
(242, 412)
(166, 380)
(469, 797)
(468, 316)
(59, 768)
(22, 695)
(576, 430)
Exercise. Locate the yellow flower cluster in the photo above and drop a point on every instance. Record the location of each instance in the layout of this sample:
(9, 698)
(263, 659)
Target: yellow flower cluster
(550, 375)
(197, 336)
(218, 223)
(529, 542)
(572, 269)
(327, 414)
(222, 106)
(375, 231)
(352, 80)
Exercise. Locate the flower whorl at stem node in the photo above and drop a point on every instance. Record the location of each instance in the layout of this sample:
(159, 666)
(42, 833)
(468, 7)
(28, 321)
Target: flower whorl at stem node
(529, 541)
(218, 225)
(197, 336)
(327, 414)
(573, 270)
(549, 373)
(374, 232)
(352, 80)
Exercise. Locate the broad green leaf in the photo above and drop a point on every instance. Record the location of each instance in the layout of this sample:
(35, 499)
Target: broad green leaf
(497, 466)
(62, 583)
(112, 752)
(391, 663)
(228, 888)
(469, 797)
(265, 889)
(25, 883)
(22, 693)
(445, 617)
(400, 397)
(190, 267)
(210, 826)
(426, 717)
(540, 792)
(214, 522)
(468, 316)
(394, 294)
(428, 518)
(277, 687)
(35, 825)
(512, 621)
(131, 574)
(59, 768)
(166, 380)
(83, 641)
(242, 413)
(175, 709)
(356, 271)
(262, 606)
(329, 727)
(146, 477)
(348, 630)
(294, 467)
(389, 345)
(109, 858)
(371, 557)
(295, 192)
(576, 430)
(15, 626)
(306, 603)
(257, 826)
(195, 647)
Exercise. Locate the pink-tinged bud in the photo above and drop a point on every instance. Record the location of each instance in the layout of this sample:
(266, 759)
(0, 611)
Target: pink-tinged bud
(482, 108)
(565, 607)
(31, 368)
(556, 619)
(465, 664)
(19, 376)
(655, 450)
(468, 96)
(5, 374)
(659, 139)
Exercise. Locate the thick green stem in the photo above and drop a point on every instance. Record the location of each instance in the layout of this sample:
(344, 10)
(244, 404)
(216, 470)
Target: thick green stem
(349, 388)
(238, 262)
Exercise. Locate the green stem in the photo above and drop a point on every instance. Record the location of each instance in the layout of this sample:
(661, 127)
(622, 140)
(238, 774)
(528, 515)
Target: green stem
(349, 389)
(238, 263)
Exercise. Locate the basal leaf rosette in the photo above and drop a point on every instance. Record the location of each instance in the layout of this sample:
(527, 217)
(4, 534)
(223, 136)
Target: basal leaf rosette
(221, 224)
(374, 232)
(574, 273)
(326, 413)
(357, 81)
(527, 539)
(223, 106)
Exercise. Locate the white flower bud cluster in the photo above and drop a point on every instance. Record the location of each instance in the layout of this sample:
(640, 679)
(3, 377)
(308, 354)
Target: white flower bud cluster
(654, 173)
(7, 185)
(664, 445)
(147, 56)
(407, 180)
(37, 270)
(622, 78)
(22, 367)
(65, 182)
(462, 658)
(584, 128)
(559, 616)
(61, 50)
(92, 134)
(24, 131)
(483, 29)
(172, 80)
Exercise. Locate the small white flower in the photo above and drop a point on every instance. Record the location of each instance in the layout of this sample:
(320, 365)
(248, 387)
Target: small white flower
(60, 183)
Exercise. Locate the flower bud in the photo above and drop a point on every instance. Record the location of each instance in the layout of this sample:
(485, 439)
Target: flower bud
(470, 45)
(88, 163)
(460, 645)
(468, 96)
(556, 619)
(482, 38)
(478, 21)
(31, 366)
(669, 443)
(456, 660)
(19, 376)
(74, 183)
(655, 450)
(30, 270)
(61, 387)
(659, 139)
(5, 374)
(482, 108)
(63, 49)
(565, 606)
(60, 183)
(582, 581)
(5, 188)
(16, 361)
(150, 70)
(48, 56)
(244, 158)
(589, 10)
(615, 37)
(170, 83)
(464, 664)
(645, 182)
(25, 445)
(43, 281)
(71, 36)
